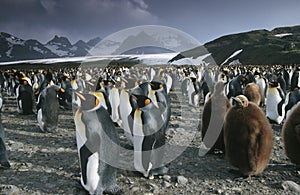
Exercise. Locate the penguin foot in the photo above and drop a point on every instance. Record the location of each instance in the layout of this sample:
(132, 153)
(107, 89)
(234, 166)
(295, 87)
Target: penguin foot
(115, 190)
(5, 165)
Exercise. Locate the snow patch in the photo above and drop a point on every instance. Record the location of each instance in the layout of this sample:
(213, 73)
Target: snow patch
(283, 35)
(232, 55)
(15, 41)
(55, 49)
(187, 61)
(8, 52)
(235, 63)
(39, 50)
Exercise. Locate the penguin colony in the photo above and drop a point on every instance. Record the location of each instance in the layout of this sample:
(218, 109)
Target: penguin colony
(138, 102)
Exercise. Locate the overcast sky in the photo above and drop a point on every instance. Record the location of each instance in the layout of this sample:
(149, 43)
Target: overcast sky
(86, 19)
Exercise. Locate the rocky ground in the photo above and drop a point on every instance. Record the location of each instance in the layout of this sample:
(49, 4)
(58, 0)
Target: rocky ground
(47, 163)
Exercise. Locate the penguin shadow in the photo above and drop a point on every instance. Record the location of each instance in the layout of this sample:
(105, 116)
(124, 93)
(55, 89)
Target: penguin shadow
(27, 126)
(49, 161)
(213, 166)
(41, 181)
(277, 172)
(43, 141)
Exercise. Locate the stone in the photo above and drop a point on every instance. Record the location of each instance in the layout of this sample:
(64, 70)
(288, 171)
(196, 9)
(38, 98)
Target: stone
(290, 185)
(182, 180)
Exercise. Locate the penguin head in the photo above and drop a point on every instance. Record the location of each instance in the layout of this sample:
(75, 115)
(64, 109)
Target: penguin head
(219, 87)
(240, 101)
(25, 80)
(109, 82)
(274, 84)
(155, 85)
(141, 100)
(88, 101)
(242, 79)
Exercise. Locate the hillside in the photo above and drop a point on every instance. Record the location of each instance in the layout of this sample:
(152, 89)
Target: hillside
(279, 46)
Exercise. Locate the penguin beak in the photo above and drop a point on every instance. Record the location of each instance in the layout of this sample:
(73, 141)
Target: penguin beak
(134, 97)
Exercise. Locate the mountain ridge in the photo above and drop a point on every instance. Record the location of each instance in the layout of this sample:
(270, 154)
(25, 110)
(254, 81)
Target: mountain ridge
(13, 48)
(260, 47)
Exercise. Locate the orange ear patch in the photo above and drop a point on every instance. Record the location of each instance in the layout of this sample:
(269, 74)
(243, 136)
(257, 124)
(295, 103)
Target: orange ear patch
(97, 102)
(160, 86)
(147, 101)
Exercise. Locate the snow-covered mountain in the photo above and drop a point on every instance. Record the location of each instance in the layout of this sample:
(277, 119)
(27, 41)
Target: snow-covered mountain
(13, 48)
(145, 40)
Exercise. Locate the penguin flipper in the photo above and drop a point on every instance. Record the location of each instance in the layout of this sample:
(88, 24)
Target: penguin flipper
(279, 107)
(85, 153)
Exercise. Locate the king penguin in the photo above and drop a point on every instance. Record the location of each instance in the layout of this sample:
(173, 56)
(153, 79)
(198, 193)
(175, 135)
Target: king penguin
(48, 108)
(295, 80)
(25, 98)
(235, 86)
(213, 118)
(158, 94)
(291, 135)
(275, 111)
(114, 99)
(291, 100)
(148, 137)
(97, 144)
(247, 136)
(3, 153)
(262, 83)
(194, 92)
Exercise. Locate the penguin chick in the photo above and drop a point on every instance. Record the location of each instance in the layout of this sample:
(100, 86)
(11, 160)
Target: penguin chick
(252, 92)
(247, 136)
(291, 135)
(213, 118)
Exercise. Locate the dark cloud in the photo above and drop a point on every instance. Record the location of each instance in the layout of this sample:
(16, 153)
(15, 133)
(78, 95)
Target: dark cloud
(86, 19)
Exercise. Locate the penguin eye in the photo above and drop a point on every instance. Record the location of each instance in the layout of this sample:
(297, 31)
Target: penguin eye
(147, 101)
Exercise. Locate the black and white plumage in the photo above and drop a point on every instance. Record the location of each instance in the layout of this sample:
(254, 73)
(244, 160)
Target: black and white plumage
(275, 111)
(97, 144)
(148, 137)
(3, 153)
(48, 108)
